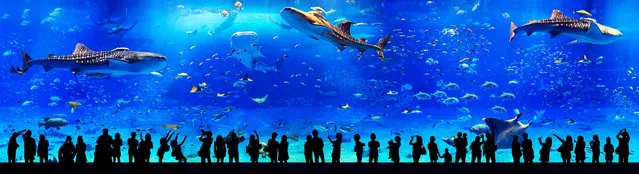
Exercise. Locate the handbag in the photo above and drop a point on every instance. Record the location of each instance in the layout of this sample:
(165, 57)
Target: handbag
(423, 151)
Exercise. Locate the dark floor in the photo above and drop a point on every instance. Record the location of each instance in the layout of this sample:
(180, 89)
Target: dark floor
(350, 168)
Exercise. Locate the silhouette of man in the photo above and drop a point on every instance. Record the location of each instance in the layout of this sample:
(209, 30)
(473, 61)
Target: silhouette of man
(29, 147)
(460, 147)
(527, 149)
(318, 147)
(475, 147)
(133, 146)
(596, 150)
(13, 146)
(373, 147)
(490, 147)
(205, 150)
(66, 153)
(103, 149)
(232, 145)
(273, 146)
(623, 149)
(447, 157)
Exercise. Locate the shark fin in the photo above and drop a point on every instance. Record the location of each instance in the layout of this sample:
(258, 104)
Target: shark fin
(345, 27)
(512, 31)
(594, 28)
(381, 45)
(554, 33)
(51, 55)
(529, 32)
(576, 41)
(313, 37)
(556, 14)
(81, 49)
(341, 48)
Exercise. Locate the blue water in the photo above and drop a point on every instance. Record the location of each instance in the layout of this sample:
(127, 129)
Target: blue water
(315, 79)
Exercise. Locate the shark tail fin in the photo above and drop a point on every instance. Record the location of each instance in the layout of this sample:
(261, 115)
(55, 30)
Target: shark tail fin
(25, 64)
(512, 31)
(381, 45)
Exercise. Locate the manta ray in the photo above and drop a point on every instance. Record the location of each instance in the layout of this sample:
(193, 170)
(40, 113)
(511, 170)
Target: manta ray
(245, 49)
(584, 30)
(505, 130)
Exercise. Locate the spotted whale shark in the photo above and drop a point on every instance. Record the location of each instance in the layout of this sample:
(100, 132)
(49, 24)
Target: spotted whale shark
(505, 130)
(245, 48)
(316, 26)
(584, 30)
(117, 62)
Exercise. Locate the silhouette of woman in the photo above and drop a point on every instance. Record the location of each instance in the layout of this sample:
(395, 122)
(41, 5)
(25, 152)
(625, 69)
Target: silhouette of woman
(164, 145)
(623, 149)
(219, 149)
(566, 148)
(177, 149)
(527, 149)
(283, 151)
(475, 147)
(43, 149)
(205, 150)
(609, 149)
(433, 150)
(359, 149)
(117, 143)
(544, 152)
(418, 145)
(394, 150)
(308, 150)
(516, 150)
(80, 151)
(596, 150)
(253, 148)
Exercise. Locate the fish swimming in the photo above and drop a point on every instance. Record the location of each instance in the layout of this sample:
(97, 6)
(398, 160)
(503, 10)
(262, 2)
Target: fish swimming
(53, 122)
(245, 49)
(260, 100)
(314, 25)
(583, 30)
(117, 62)
(228, 22)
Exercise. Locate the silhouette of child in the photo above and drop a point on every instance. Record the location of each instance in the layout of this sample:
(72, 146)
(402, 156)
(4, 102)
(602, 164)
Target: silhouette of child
(609, 149)
(447, 157)
(43, 149)
(373, 147)
(337, 148)
(117, 143)
(164, 145)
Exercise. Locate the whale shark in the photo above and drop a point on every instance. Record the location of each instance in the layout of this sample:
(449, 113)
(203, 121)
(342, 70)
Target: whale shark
(316, 26)
(227, 23)
(505, 130)
(584, 30)
(244, 48)
(117, 62)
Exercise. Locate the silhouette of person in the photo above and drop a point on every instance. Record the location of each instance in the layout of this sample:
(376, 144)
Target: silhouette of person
(43, 149)
(544, 152)
(103, 149)
(516, 150)
(490, 147)
(220, 149)
(144, 149)
(337, 148)
(133, 146)
(205, 150)
(283, 151)
(394, 150)
(117, 143)
(164, 145)
(580, 150)
(527, 149)
(447, 157)
(565, 149)
(66, 153)
(609, 149)
(29, 147)
(418, 146)
(308, 150)
(80, 151)
(460, 147)
(623, 149)
(433, 150)
(359, 149)
(177, 149)
(272, 147)
(475, 147)
(253, 148)
(232, 145)
(596, 150)
(373, 147)
(13, 146)
(318, 147)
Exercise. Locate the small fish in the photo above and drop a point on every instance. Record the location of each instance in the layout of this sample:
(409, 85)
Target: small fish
(74, 105)
(582, 13)
(171, 126)
(560, 61)
(585, 60)
(346, 106)
(260, 100)
(195, 89)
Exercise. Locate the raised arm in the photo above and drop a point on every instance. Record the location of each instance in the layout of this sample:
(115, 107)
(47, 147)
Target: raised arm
(176, 137)
(619, 134)
(411, 140)
(540, 143)
(331, 140)
(256, 135)
(168, 134)
(181, 143)
(562, 140)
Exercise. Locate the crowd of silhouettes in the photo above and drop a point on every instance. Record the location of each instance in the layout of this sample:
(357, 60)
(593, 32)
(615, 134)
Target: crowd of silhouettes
(107, 149)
